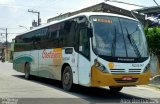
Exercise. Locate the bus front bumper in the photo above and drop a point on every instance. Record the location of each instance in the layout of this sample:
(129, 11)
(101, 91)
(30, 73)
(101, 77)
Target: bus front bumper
(99, 78)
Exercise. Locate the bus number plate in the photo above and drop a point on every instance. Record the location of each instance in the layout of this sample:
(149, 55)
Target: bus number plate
(126, 78)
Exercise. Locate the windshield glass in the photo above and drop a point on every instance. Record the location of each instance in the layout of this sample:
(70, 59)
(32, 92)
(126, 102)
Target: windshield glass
(118, 37)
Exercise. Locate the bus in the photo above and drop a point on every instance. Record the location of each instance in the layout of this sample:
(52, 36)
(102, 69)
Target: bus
(90, 49)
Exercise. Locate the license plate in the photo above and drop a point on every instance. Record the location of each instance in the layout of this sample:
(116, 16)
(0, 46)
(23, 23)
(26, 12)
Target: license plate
(126, 78)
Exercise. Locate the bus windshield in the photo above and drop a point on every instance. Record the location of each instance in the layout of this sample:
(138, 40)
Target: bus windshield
(118, 37)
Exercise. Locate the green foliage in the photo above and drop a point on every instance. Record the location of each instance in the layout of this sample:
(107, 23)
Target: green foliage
(153, 39)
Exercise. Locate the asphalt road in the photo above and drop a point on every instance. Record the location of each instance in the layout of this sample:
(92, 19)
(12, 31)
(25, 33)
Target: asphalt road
(15, 89)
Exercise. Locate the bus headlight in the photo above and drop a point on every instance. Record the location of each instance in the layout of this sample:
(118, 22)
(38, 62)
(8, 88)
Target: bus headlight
(100, 66)
(146, 68)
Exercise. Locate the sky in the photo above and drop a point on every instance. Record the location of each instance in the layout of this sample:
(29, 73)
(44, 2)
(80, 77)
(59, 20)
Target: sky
(14, 13)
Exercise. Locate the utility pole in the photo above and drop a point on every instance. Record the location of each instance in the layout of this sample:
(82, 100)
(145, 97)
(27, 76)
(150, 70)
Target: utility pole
(38, 15)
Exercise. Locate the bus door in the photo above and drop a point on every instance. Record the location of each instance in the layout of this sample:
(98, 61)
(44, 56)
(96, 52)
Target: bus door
(84, 56)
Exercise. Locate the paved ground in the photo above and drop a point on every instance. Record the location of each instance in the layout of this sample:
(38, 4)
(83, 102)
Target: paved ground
(46, 91)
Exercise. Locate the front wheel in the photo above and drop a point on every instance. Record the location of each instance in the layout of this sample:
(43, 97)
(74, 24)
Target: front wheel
(115, 89)
(67, 79)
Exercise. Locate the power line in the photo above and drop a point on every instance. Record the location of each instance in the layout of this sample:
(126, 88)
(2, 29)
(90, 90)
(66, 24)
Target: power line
(156, 3)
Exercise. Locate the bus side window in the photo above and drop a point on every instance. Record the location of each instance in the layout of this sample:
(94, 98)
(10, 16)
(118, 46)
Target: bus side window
(67, 34)
(53, 36)
(84, 46)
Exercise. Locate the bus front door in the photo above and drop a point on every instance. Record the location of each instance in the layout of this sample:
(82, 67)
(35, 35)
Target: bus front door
(84, 57)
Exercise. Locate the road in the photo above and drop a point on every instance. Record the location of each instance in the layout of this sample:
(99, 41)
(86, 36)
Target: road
(46, 91)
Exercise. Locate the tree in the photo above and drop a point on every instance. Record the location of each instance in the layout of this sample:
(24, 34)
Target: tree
(153, 39)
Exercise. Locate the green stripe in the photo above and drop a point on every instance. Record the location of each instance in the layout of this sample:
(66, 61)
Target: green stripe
(23, 59)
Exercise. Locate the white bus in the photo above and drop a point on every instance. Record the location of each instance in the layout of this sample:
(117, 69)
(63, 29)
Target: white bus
(90, 49)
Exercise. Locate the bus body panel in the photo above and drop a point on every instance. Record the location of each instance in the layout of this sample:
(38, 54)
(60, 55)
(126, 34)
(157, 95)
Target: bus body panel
(43, 63)
(20, 58)
(46, 68)
(107, 79)
(72, 60)
(84, 70)
(34, 63)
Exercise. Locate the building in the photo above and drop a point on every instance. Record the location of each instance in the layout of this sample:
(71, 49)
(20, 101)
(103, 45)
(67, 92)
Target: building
(102, 7)
(1, 49)
(149, 11)
(7, 52)
(11, 50)
(152, 15)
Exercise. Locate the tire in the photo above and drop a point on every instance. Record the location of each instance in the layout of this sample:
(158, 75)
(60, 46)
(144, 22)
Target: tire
(115, 89)
(27, 71)
(67, 79)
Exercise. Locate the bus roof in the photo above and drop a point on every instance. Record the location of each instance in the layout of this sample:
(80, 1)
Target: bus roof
(87, 14)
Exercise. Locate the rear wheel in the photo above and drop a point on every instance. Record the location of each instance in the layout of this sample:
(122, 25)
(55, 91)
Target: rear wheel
(27, 71)
(67, 79)
(115, 89)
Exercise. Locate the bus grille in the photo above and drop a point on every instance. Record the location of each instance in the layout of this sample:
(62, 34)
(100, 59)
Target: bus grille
(136, 71)
(119, 80)
(117, 71)
(123, 71)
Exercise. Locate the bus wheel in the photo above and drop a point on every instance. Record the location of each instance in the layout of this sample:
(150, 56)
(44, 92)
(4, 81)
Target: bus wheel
(67, 78)
(27, 71)
(115, 89)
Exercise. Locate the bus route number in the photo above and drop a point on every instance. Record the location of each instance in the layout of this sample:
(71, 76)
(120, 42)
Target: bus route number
(137, 65)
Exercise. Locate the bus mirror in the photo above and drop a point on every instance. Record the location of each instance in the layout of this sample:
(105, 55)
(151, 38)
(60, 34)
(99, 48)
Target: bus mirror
(81, 20)
(89, 32)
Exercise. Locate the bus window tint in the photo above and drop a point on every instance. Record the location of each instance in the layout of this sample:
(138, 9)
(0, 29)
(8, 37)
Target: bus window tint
(24, 42)
(40, 39)
(67, 34)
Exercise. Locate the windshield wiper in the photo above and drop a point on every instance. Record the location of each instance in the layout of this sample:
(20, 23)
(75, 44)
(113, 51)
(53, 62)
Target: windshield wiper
(131, 40)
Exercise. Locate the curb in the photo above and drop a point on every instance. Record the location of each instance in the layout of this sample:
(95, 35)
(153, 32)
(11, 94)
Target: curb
(155, 85)
(152, 86)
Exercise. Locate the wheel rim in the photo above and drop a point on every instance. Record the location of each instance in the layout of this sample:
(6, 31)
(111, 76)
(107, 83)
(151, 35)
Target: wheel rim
(66, 78)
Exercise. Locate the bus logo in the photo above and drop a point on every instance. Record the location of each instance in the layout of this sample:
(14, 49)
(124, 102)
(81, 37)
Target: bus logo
(55, 54)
